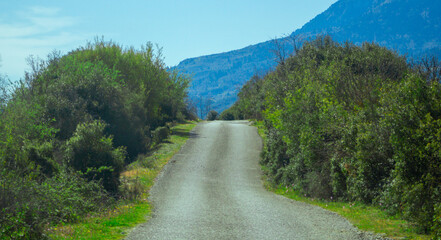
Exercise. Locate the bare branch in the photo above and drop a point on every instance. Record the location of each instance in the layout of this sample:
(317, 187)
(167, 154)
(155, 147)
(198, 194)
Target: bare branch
(279, 50)
(285, 47)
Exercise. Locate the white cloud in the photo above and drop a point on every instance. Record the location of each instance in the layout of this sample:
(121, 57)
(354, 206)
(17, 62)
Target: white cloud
(52, 23)
(35, 21)
(39, 10)
(18, 30)
(35, 31)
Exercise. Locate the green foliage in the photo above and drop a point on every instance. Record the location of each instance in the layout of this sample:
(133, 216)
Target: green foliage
(412, 113)
(28, 206)
(3, 93)
(250, 102)
(42, 155)
(353, 122)
(436, 228)
(25, 136)
(212, 115)
(227, 114)
(92, 153)
(275, 157)
(77, 120)
(129, 89)
(160, 134)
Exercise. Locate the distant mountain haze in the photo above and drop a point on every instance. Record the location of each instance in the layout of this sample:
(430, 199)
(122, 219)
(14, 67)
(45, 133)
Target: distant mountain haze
(411, 27)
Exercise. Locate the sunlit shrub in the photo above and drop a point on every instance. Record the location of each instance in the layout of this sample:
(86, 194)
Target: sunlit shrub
(91, 153)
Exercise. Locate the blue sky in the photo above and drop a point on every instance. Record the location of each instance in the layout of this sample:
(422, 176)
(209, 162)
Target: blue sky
(183, 28)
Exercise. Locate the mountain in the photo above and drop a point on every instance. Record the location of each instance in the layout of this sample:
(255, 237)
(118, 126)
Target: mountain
(411, 27)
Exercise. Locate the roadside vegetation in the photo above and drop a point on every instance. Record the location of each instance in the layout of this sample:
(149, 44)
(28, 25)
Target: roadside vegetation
(73, 125)
(366, 217)
(355, 124)
(137, 178)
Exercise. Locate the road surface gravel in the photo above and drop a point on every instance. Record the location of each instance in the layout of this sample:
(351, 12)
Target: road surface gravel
(212, 189)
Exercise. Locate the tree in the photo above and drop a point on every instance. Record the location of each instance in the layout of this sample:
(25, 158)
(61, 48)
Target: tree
(285, 47)
(212, 115)
(3, 93)
(204, 105)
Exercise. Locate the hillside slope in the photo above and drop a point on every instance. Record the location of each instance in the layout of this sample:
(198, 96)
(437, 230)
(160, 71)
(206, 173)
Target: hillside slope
(409, 26)
(218, 77)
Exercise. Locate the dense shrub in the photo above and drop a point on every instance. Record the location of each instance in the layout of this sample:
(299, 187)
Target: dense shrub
(355, 123)
(413, 115)
(250, 102)
(29, 205)
(212, 115)
(436, 228)
(227, 115)
(91, 153)
(160, 134)
(130, 90)
(42, 155)
(70, 126)
(276, 158)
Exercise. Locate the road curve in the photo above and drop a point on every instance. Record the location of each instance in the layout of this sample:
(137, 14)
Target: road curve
(212, 189)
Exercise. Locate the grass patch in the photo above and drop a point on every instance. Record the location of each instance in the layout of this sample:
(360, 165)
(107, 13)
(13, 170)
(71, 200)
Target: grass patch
(364, 217)
(116, 222)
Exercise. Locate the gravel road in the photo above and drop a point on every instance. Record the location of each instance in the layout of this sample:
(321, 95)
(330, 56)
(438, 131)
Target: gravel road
(212, 189)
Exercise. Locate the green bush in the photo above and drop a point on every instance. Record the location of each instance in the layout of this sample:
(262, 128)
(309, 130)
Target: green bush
(160, 134)
(354, 123)
(129, 89)
(42, 155)
(276, 158)
(436, 228)
(212, 115)
(91, 153)
(227, 115)
(414, 119)
(67, 127)
(250, 103)
(28, 206)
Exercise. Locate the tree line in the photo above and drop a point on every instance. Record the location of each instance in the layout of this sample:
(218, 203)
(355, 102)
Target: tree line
(72, 124)
(355, 123)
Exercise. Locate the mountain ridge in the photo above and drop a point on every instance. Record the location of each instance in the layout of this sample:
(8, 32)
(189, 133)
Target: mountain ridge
(410, 27)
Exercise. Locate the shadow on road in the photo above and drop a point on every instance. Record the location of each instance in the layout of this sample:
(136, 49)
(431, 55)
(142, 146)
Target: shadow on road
(184, 134)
